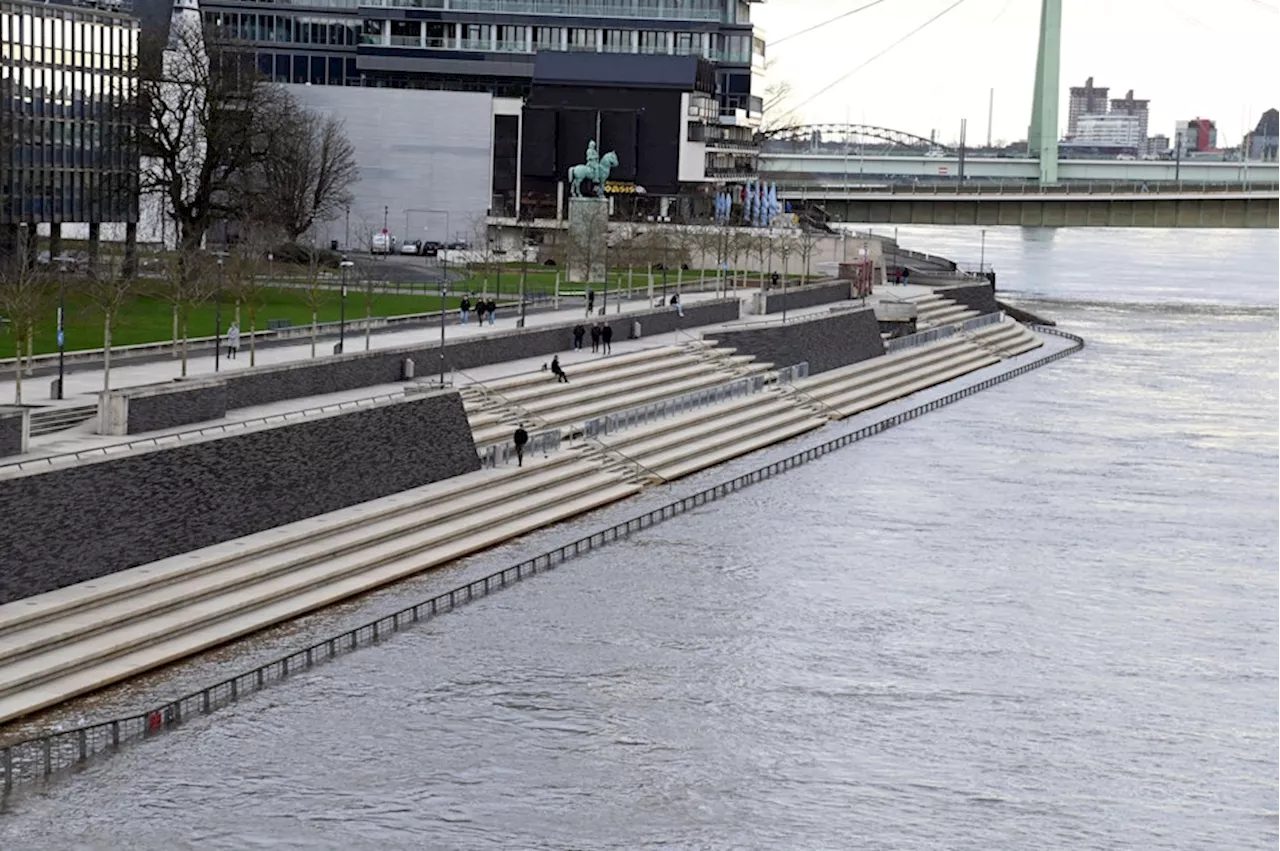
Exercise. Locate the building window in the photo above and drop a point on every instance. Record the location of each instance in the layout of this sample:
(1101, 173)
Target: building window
(441, 35)
(548, 38)
(581, 38)
(512, 37)
(655, 42)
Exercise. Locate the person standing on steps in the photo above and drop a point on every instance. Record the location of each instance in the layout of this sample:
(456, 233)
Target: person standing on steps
(558, 371)
(464, 308)
(595, 337)
(481, 305)
(606, 338)
(233, 340)
(591, 300)
(520, 438)
(578, 333)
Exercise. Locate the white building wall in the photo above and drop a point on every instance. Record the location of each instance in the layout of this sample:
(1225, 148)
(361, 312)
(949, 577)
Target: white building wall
(420, 154)
(1110, 129)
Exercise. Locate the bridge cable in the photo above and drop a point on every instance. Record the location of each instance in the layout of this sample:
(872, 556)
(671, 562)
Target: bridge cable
(849, 74)
(776, 41)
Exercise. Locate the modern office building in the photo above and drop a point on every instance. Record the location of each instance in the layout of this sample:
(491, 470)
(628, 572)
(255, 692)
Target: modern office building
(1085, 100)
(1196, 135)
(68, 84)
(1110, 130)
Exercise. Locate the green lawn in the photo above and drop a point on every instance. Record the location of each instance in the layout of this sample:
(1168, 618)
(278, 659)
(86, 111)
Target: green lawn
(148, 320)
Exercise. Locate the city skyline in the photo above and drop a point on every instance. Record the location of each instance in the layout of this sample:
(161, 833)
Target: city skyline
(1171, 53)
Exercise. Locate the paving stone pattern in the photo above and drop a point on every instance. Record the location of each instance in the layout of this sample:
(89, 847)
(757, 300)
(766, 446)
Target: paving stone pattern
(10, 431)
(182, 405)
(809, 296)
(825, 342)
(264, 385)
(67, 526)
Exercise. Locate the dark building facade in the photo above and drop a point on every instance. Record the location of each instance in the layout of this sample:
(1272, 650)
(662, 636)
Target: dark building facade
(68, 146)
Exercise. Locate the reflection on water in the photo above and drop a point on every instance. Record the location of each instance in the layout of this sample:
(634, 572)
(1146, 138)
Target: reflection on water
(1042, 617)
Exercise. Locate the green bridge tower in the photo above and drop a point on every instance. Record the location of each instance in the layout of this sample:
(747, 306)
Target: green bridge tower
(1042, 136)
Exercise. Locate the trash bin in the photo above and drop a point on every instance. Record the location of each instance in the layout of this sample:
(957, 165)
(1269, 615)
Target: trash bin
(635, 330)
(55, 388)
(406, 368)
(337, 348)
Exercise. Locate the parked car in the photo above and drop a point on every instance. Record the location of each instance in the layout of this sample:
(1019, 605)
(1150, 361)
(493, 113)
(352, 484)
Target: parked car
(431, 249)
(411, 246)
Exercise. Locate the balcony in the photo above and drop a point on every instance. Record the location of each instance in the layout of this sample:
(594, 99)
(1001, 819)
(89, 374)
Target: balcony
(674, 10)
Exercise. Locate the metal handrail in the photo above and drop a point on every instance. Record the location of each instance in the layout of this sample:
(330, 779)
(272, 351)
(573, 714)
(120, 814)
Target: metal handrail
(181, 436)
(517, 409)
(942, 332)
(33, 759)
(685, 402)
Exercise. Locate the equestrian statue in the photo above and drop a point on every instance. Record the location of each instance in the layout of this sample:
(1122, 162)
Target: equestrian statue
(596, 169)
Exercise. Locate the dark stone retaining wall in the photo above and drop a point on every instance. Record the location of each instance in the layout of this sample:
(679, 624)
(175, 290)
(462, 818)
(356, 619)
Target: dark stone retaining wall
(979, 297)
(66, 526)
(263, 385)
(179, 405)
(808, 296)
(825, 342)
(11, 422)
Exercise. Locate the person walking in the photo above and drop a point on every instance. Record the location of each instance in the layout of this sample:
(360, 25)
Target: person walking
(578, 333)
(595, 337)
(233, 340)
(481, 307)
(591, 301)
(492, 310)
(464, 308)
(606, 338)
(520, 438)
(558, 371)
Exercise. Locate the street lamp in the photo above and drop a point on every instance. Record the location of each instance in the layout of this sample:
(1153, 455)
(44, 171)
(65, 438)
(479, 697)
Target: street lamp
(62, 311)
(217, 317)
(342, 310)
(982, 257)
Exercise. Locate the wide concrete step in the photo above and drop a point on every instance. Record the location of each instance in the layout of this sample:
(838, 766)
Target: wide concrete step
(869, 370)
(60, 419)
(582, 381)
(149, 644)
(691, 426)
(739, 446)
(864, 399)
(514, 383)
(946, 317)
(69, 602)
(697, 449)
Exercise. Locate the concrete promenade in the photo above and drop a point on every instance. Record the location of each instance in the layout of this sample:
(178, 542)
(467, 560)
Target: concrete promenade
(83, 386)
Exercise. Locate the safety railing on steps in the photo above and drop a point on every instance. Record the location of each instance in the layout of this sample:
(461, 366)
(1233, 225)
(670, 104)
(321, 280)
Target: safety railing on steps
(942, 332)
(501, 454)
(34, 759)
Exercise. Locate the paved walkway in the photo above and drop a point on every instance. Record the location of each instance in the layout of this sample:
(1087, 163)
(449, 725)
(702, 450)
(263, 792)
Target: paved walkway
(83, 386)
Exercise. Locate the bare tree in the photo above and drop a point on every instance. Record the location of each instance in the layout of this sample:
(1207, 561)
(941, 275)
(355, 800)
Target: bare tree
(108, 288)
(315, 293)
(806, 244)
(185, 283)
(307, 174)
(245, 272)
(24, 298)
(206, 126)
(778, 114)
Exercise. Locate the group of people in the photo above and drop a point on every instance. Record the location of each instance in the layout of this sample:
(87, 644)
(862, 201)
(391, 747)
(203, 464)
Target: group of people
(483, 308)
(601, 337)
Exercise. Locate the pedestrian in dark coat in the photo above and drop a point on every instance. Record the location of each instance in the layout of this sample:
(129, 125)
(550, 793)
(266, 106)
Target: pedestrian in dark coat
(578, 333)
(558, 371)
(481, 307)
(591, 301)
(465, 308)
(493, 310)
(606, 338)
(595, 337)
(520, 439)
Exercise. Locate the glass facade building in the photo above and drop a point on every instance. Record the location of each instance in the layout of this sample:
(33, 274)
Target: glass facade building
(488, 45)
(68, 89)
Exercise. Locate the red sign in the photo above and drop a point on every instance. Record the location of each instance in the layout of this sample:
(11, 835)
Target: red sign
(384, 230)
(942, 169)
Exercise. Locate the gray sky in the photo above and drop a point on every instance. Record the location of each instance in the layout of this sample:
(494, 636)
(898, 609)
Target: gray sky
(1189, 57)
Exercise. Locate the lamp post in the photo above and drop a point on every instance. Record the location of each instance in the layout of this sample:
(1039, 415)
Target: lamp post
(342, 310)
(62, 311)
(524, 270)
(982, 257)
(217, 319)
(443, 290)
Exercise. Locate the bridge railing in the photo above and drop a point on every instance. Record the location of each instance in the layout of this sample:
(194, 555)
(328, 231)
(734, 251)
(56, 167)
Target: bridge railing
(828, 185)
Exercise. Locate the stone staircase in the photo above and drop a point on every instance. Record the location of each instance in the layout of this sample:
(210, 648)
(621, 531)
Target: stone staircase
(933, 311)
(50, 420)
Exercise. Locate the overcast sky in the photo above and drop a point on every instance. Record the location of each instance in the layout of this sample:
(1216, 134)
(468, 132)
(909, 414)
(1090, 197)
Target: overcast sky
(1189, 57)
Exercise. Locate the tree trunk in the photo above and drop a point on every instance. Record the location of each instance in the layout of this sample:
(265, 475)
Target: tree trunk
(184, 346)
(253, 338)
(314, 329)
(31, 348)
(106, 351)
(17, 374)
(368, 320)
(175, 330)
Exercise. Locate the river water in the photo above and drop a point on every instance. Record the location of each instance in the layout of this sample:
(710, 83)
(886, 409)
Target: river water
(1043, 617)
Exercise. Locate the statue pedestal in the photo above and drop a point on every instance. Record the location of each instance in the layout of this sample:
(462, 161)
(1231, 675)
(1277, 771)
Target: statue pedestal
(588, 240)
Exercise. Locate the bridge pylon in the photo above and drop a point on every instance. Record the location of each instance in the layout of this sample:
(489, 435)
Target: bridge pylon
(1042, 135)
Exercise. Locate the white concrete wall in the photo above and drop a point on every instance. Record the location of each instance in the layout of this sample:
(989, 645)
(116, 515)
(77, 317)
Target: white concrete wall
(417, 151)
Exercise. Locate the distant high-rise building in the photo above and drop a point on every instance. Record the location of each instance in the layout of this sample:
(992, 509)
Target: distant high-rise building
(1140, 109)
(1085, 100)
(1195, 135)
(1157, 145)
(1265, 138)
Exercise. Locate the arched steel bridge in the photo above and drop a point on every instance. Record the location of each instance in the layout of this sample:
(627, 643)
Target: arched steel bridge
(841, 134)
